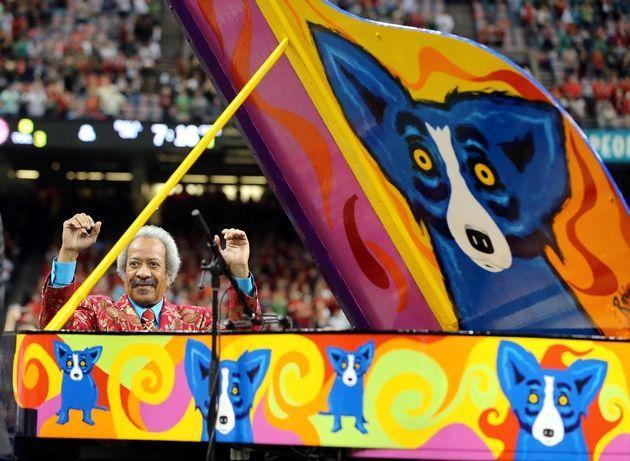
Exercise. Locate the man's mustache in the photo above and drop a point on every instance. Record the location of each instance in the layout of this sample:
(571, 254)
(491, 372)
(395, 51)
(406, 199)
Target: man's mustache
(150, 282)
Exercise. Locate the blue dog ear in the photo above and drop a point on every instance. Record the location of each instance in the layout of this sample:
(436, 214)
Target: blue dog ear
(366, 352)
(363, 87)
(61, 349)
(335, 355)
(514, 364)
(589, 376)
(197, 366)
(536, 127)
(93, 352)
(255, 364)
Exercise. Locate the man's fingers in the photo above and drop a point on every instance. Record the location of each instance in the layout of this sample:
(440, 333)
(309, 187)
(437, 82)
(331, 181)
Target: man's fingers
(80, 221)
(86, 221)
(76, 222)
(97, 229)
(234, 234)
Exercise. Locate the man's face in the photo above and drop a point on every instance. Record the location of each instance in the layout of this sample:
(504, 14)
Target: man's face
(145, 272)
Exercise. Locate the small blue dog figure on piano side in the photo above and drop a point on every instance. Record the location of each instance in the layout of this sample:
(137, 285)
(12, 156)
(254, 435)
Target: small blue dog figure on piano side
(78, 389)
(548, 403)
(346, 395)
(238, 382)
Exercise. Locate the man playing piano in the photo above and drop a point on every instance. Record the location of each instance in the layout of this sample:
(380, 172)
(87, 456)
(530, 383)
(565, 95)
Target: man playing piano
(147, 267)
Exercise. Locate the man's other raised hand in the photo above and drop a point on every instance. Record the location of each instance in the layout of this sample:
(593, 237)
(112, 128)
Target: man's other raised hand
(79, 232)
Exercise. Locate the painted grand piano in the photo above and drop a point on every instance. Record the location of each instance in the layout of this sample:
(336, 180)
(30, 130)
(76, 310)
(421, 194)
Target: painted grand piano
(471, 234)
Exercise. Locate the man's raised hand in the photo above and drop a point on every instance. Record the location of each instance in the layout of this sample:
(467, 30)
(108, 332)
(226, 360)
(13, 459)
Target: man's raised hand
(236, 251)
(79, 232)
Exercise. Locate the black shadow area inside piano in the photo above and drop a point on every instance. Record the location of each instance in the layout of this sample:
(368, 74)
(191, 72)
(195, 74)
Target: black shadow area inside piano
(34, 449)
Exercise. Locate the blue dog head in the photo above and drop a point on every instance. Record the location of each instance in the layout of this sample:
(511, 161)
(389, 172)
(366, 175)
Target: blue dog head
(351, 365)
(238, 382)
(76, 364)
(197, 366)
(549, 404)
(487, 169)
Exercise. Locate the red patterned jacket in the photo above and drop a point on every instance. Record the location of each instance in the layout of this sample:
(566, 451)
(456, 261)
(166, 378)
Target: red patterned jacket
(101, 313)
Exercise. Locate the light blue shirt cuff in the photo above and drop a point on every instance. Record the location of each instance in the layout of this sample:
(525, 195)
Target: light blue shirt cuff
(246, 285)
(62, 274)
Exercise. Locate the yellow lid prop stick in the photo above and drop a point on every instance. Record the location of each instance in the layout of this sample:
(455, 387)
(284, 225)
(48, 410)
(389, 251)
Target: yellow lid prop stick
(64, 314)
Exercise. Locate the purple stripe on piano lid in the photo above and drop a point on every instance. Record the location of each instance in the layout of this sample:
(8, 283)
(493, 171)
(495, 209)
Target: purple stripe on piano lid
(269, 168)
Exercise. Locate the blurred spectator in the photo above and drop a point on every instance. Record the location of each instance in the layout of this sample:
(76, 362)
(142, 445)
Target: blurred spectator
(444, 21)
(10, 100)
(111, 100)
(35, 99)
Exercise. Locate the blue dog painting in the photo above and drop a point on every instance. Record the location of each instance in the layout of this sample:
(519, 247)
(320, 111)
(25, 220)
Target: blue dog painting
(78, 389)
(238, 383)
(346, 394)
(485, 172)
(549, 404)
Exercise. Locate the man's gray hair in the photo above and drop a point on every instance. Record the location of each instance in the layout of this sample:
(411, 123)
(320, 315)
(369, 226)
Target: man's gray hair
(173, 261)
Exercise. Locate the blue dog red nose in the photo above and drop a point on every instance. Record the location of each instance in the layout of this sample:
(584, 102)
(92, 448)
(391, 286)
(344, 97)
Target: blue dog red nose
(480, 241)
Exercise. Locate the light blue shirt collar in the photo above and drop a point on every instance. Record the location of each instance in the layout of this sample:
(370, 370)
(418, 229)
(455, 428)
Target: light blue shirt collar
(156, 308)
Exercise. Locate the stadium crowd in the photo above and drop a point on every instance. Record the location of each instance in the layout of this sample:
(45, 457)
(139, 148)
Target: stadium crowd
(429, 14)
(582, 44)
(77, 59)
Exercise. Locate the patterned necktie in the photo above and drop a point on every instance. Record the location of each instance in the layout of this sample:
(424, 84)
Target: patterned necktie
(148, 317)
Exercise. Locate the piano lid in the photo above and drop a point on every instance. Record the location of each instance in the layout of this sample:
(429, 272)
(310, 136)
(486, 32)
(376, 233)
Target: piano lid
(435, 182)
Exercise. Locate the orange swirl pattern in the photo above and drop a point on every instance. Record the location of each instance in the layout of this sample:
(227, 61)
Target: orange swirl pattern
(33, 387)
(431, 61)
(604, 280)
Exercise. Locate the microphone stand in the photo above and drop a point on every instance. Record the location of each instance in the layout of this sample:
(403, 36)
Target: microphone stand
(216, 268)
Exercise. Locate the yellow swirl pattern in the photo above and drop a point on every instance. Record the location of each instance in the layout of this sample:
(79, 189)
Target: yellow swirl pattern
(614, 403)
(407, 399)
(293, 385)
(153, 377)
(407, 390)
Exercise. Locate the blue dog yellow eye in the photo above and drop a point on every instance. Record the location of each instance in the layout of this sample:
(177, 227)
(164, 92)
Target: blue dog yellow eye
(344, 365)
(533, 398)
(357, 366)
(82, 363)
(235, 390)
(563, 400)
(422, 159)
(69, 363)
(485, 175)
